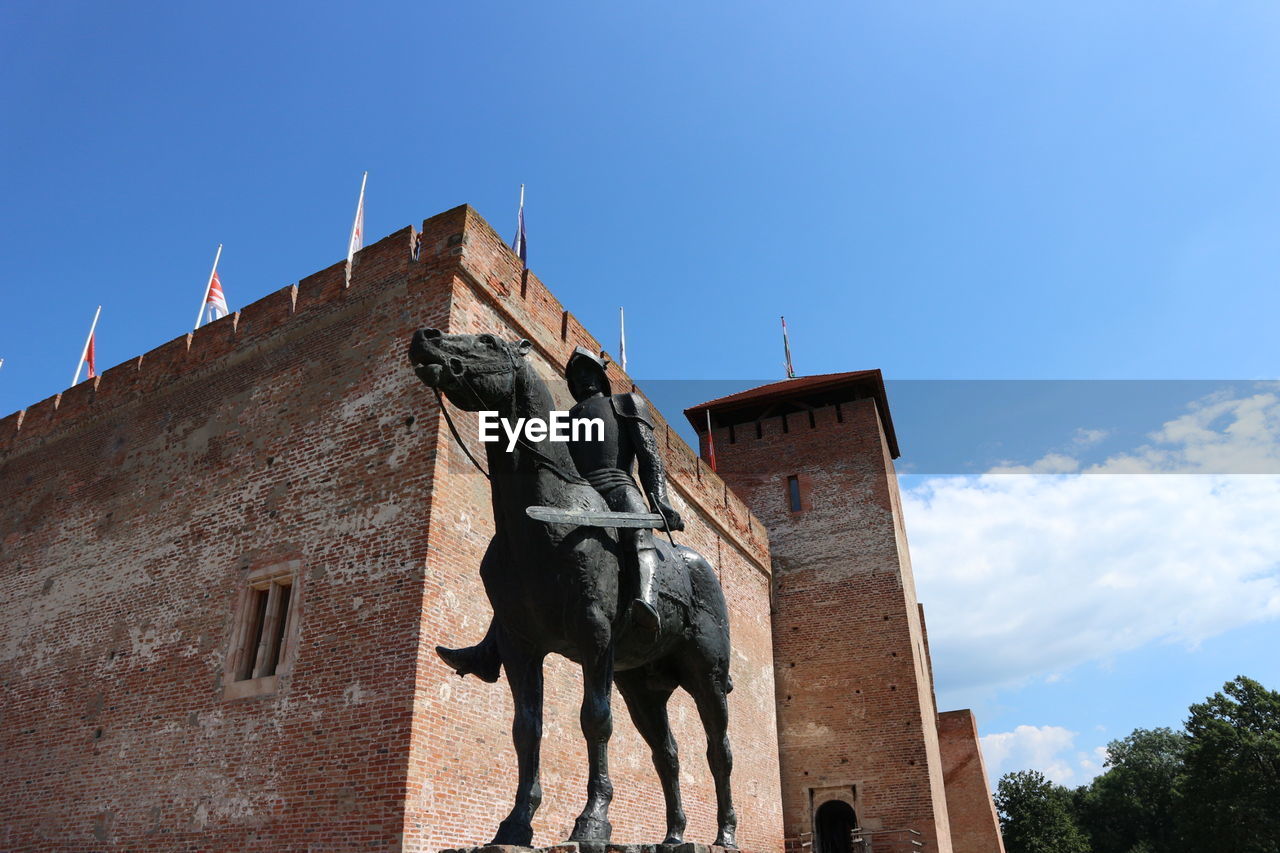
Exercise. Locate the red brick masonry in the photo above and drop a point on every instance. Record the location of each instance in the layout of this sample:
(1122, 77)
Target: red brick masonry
(289, 447)
(975, 828)
(856, 709)
(139, 503)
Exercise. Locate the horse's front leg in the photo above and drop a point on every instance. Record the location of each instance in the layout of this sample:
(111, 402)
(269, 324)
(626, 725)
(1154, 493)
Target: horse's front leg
(524, 673)
(597, 726)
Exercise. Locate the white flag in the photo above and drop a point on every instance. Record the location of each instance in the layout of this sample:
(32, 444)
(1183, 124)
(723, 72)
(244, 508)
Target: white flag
(520, 244)
(356, 243)
(622, 339)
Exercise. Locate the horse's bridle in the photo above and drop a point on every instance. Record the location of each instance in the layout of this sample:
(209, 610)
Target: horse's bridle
(538, 455)
(514, 369)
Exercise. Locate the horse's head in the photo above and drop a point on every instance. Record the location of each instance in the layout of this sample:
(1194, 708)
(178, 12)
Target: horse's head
(474, 371)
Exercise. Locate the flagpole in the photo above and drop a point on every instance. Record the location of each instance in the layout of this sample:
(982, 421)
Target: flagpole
(351, 241)
(519, 245)
(208, 286)
(711, 442)
(786, 348)
(84, 352)
(622, 337)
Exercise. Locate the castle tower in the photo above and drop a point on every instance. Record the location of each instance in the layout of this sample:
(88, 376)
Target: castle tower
(857, 726)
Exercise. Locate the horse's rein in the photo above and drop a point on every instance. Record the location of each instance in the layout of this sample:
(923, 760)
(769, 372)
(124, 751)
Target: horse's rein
(453, 429)
(539, 455)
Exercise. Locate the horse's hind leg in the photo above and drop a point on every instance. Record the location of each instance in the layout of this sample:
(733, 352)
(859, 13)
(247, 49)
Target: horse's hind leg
(597, 727)
(648, 707)
(524, 673)
(709, 694)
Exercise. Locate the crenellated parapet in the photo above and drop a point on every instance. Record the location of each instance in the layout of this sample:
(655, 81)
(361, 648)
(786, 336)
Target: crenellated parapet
(459, 240)
(188, 356)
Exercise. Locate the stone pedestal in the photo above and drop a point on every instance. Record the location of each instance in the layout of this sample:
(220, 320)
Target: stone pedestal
(596, 847)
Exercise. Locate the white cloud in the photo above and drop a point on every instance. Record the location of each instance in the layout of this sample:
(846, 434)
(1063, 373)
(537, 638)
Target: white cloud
(1223, 433)
(1086, 437)
(1050, 463)
(1093, 763)
(1029, 576)
(1049, 749)
(1031, 748)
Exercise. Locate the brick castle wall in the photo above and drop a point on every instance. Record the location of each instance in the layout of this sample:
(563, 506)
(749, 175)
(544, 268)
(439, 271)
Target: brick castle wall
(855, 702)
(294, 430)
(491, 293)
(975, 827)
(139, 502)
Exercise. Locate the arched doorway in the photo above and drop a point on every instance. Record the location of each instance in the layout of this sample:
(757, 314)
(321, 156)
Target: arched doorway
(833, 826)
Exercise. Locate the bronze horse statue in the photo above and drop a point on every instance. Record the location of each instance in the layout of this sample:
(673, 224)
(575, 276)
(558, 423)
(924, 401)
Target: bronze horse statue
(555, 588)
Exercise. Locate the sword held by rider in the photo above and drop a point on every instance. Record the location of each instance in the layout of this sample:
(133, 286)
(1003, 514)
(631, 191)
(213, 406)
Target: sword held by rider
(628, 438)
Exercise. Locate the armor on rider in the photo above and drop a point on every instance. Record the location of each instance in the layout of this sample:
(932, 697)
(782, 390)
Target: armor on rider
(628, 439)
(606, 463)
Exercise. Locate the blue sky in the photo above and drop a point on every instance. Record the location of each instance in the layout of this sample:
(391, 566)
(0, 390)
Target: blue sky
(947, 191)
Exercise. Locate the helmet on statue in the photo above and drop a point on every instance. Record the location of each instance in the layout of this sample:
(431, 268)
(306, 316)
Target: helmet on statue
(584, 359)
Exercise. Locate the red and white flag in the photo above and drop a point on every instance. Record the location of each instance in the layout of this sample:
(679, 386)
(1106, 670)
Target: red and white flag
(215, 303)
(87, 354)
(356, 243)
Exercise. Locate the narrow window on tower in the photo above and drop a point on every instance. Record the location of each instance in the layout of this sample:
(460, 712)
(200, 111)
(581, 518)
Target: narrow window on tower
(793, 493)
(263, 633)
(246, 660)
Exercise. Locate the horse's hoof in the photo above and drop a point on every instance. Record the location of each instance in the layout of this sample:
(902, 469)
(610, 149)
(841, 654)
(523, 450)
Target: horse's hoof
(514, 833)
(727, 838)
(674, 838)
(591, 829)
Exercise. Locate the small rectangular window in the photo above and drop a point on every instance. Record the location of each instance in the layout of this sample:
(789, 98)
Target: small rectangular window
(257, 613)
(263, 632)
(793, 493)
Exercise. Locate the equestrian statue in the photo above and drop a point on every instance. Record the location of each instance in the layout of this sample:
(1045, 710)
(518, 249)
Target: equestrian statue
(575, 568)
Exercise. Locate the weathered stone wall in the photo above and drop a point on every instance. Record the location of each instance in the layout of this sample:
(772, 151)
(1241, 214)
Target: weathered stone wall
(975, 828)
(855, 697)
(138, 503)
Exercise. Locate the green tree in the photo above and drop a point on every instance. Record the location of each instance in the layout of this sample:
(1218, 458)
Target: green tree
(1133, 806)
(1231, 796)
(1036, 815)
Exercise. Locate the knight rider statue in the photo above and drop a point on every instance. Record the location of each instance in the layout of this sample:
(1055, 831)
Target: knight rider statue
(628, 438)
